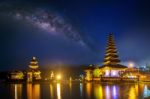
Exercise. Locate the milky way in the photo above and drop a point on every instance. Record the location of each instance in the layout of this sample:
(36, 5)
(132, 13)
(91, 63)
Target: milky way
(46, 20)
(46, 33)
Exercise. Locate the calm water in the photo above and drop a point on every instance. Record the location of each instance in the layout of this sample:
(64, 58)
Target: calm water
(75, 91)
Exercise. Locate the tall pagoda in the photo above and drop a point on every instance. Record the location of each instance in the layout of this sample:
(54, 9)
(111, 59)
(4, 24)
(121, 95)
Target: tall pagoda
(111, 64)
(33, 73)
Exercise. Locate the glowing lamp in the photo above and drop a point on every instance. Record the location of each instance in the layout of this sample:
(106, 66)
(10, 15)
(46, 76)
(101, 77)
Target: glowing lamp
(58, 77)
(131, 65)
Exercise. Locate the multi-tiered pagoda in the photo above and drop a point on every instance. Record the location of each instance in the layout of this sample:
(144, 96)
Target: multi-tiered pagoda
(111, 65)
(33, 74)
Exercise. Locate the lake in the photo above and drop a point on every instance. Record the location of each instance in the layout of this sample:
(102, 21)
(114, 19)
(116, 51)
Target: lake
(75, 90)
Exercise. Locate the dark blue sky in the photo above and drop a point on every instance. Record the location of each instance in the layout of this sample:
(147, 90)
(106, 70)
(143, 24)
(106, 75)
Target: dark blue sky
(72, 32)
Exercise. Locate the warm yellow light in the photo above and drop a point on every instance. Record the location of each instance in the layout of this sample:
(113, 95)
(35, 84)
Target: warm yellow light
(131, 65)
(58, 77)
(58, 91)
(107, 73)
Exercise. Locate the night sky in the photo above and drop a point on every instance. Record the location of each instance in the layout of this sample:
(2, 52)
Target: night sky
(72, 32)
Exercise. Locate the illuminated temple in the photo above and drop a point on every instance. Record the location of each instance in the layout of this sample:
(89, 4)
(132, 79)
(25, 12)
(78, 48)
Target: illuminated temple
(111, 65)
(33, 74)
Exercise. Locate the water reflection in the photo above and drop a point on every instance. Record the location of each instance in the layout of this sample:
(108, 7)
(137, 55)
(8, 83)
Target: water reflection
(33, 91)
(70, 88)
(58, 91)
(16, 89)
(114, 91)
(107, 92)
(89, 90)
(98, 92)
(146, 92)
(110, 91)
(133, 92)
(51, 91)
(79, 90)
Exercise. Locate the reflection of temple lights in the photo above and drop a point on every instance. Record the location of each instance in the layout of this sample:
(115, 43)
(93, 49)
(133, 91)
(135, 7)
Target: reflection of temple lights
(36, 91)
(16, 92)
(88, 88)
(33, 91)
(132, 93)
(146, 92)
(114, 92)
(107, 92)
(58, 91)
(29, 91)
(101, 92)
(81, 89)
(98, 92)
(51, 91)
(70, 87)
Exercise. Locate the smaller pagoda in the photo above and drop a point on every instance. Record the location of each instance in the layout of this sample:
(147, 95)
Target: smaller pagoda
(111, 65)
(89, 73)
(33, 73)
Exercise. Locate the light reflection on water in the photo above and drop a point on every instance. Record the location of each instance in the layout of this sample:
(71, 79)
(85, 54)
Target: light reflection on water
(58, 91)
(17, 91)
(79, 91)
(98, 92)
(132, 93)
(51, 91)
(146, 92)
(33, 91)
(89, 90)
(107, 91)
(114, 92)
(70, 88)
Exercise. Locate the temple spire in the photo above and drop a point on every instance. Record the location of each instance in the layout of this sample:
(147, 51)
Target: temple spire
(33, 74)
(111, 54)
(33, 64)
